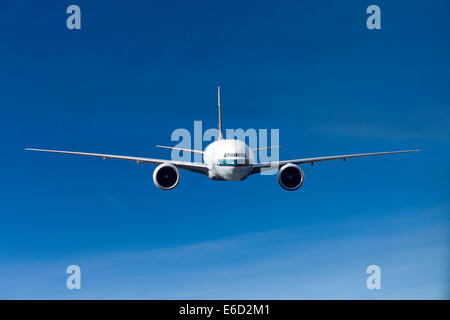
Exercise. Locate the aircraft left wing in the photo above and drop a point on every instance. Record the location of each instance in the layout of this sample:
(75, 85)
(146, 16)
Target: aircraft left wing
(258, 167)
(191, 166)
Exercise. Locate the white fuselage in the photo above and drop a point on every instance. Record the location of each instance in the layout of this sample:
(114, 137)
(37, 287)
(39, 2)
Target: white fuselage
(228, 160)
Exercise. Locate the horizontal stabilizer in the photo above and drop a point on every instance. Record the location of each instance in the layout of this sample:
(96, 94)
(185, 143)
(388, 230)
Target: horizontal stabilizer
(180, 149)
(267, 148)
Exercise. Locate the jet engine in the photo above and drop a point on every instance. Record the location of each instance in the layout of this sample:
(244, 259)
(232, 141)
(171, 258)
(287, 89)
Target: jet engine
(290, 177)
(166, 176)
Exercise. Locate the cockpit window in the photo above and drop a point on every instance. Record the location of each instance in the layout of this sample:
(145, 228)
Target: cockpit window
(233, 162)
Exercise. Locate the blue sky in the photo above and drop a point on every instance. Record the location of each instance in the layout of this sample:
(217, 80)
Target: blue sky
(137, 71)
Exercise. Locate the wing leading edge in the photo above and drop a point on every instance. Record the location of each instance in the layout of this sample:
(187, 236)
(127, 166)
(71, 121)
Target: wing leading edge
(191, 166)
(258, 167)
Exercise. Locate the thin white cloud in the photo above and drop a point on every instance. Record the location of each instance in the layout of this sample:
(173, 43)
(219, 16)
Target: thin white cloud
(301, 262)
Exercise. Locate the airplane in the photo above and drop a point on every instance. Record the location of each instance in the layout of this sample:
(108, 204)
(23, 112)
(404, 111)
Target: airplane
(225, 159)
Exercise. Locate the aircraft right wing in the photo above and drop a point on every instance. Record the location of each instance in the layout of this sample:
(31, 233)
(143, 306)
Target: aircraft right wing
(191, 166)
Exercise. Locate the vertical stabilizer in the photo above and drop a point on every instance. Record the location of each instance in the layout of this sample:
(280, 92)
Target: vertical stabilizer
(220, 113)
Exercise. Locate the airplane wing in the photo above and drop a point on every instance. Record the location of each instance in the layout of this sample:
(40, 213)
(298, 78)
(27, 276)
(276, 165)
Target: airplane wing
(191, 166)
(258, 167)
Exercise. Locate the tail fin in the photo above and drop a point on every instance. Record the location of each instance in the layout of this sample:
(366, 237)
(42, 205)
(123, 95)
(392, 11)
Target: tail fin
(220, 114)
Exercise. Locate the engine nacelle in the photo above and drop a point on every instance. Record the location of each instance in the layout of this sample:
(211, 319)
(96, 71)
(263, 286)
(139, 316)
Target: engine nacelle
(166, 176)
(290, 177)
